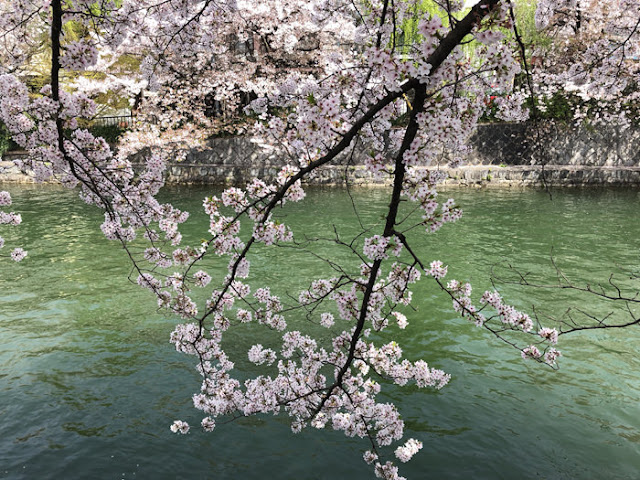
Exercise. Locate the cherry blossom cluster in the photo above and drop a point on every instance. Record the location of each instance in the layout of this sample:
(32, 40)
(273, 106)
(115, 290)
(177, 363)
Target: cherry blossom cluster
(408, 450)
(511, 321)
(107, 180)
(79, 55)
(376, 247)
(303, 390)
(593, 59)
(420, 187)
(302, 386)
(19, 24)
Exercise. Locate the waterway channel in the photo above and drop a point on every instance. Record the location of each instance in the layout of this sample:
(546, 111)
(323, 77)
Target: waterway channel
(89, 383)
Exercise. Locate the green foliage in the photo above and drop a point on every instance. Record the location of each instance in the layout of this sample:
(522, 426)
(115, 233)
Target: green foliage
(111, 133)
(127, 63)
(525, 11)
(36, 81)
(525, 20)
(559, 107)
(408, 34)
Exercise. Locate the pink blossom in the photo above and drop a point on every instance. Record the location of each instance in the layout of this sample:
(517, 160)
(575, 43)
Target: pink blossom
(202, 278)
(401, 319)
(355, 92)
(208, 424)
(179, 426)
(326, 320)
(437, 270)
(18, 254)
(408, 450)
(531, 352)
(5, 199)
(551, 356)
(550, 334)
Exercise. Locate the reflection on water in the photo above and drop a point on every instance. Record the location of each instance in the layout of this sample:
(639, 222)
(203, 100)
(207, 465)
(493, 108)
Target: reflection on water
(89, 383)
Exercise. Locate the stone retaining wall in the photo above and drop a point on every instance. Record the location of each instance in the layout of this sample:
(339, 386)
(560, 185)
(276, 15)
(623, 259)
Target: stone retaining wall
(555, 144)
(502, 155)
(467, 175)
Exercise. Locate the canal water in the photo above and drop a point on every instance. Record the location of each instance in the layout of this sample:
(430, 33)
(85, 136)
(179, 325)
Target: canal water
(89, 383)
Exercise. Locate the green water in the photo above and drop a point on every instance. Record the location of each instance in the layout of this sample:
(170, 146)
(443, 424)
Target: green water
(89, 383)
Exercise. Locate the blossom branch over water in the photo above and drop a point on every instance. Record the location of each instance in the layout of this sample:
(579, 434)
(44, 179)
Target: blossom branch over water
(325, 77)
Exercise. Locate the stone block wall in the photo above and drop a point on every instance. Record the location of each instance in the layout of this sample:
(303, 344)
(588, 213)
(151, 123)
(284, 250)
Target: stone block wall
(503, 154)
(554, 144)
(506, 154)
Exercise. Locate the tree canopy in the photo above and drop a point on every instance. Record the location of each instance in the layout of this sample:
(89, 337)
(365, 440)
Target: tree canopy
(316, 80)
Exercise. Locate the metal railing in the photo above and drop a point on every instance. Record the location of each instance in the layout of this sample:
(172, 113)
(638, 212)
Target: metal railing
(123, 121)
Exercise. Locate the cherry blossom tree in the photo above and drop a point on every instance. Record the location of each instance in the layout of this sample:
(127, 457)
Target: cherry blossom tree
(593, 56)
(326, 77)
